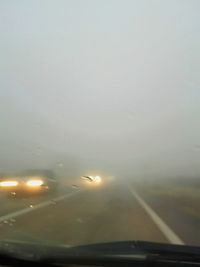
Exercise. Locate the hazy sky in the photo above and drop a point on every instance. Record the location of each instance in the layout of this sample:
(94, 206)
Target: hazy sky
(101, 84)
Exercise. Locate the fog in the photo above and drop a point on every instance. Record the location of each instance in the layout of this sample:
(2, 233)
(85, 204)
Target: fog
(106, 86)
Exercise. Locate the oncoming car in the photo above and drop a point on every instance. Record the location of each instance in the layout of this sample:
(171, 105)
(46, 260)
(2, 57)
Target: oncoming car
(92, 179)
(29, 182)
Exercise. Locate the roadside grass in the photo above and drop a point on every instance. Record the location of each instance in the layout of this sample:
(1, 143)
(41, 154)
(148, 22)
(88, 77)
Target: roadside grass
(185, 196)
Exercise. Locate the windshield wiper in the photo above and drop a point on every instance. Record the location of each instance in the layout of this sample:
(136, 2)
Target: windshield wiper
(128, 253)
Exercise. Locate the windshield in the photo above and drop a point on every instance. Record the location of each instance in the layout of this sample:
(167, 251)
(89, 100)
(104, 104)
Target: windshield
(99, 113)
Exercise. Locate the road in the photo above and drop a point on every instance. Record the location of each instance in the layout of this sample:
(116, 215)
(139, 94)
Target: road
(83, 215)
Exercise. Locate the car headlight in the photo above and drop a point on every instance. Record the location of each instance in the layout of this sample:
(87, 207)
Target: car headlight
(8, 183)
(97, 179)
(34, 183)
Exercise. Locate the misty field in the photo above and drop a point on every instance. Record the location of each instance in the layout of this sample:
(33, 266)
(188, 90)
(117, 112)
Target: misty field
(182, 194)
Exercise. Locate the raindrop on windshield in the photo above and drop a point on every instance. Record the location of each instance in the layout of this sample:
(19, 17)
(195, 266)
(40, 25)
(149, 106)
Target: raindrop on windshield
(60, 164)
(39, 150)
(197, 148)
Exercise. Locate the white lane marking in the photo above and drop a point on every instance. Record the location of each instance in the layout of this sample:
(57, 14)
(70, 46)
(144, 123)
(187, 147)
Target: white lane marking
(165, 229)
(38, 206)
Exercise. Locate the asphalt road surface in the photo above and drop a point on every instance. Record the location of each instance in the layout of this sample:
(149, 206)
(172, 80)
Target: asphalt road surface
(83, 215)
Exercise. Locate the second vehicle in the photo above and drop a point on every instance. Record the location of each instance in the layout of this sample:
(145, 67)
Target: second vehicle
(29, 182)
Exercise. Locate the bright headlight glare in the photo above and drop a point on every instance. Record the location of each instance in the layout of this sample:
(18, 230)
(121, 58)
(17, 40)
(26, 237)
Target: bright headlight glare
(98, 179)
(9, 183)
(35, 183)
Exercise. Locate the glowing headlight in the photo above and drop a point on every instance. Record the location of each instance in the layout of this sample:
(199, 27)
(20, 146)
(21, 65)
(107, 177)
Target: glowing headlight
(97, 179)
(34, 183)
(9, 183)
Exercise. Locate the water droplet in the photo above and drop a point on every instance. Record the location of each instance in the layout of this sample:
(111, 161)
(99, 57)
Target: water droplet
(39, 150)
(197, 147)
(31, 206)
(131, 113)
(68, 246)
(37, 124)
(60, 164)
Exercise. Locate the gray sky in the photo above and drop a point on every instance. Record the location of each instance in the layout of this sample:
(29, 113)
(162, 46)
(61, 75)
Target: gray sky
(101, 84)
